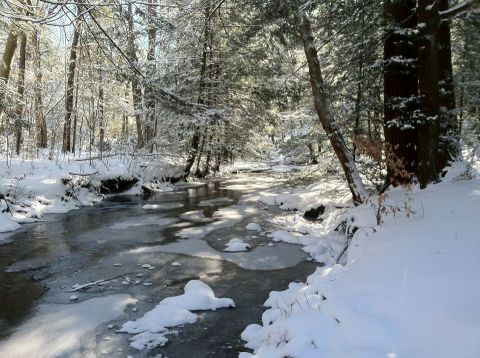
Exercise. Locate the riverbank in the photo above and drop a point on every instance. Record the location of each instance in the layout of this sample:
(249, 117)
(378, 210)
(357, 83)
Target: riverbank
(406, 286)
(30, 189)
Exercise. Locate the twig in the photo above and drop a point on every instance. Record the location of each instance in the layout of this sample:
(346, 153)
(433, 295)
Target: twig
(90, 284)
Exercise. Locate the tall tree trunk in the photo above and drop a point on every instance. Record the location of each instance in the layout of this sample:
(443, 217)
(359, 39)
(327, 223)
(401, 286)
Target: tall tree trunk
(448, 145)
(198, 171)
(400, 91)
(67, 125)
(428, 77)
(149, 92)
(40, 122)
(6, 65)
(324, 113)
(20, 91)
(101, 119)
(136, 90)
(75, 121)
(358, 107)
(194, 146)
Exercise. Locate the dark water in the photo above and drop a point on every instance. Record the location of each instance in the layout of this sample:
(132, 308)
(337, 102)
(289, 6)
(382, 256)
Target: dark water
(47, 256)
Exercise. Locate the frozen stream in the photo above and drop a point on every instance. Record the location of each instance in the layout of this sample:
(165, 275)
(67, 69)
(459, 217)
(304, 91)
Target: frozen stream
(111, 242)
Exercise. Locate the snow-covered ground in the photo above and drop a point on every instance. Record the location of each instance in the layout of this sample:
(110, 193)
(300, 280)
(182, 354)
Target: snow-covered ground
(407, 287)
(32, 188)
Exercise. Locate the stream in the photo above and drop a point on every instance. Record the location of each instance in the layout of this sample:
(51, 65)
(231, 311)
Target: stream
(130, 248)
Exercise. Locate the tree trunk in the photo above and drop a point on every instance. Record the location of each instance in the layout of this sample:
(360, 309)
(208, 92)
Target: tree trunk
(20, 91)
(136, 90)
(101, 119)
(400, 91)
(194, 146)
(428, 78)
(67, 126)
(448, 145)
(75, 121)
(40, 122)
(5, 65)
(149, 92)
(324, 113)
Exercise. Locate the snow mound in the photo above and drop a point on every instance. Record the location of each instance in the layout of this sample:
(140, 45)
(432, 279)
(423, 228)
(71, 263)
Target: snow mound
(253, 227)
(235, 245)
(150, 330)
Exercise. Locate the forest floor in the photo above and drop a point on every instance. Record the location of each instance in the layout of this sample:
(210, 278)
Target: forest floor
(395, 277)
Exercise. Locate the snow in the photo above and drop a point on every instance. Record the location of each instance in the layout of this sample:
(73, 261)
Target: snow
(6, 223)
(253, 227)
(150, 330)
(406, 288)
(59, 330)
(235, 245)
(38, 187)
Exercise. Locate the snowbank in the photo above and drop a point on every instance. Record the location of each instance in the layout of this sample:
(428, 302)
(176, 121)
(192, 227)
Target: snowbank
(409, 287)
(31, 188)
(150, 330)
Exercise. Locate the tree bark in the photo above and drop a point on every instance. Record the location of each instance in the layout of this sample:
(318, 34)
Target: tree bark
(20, 91)
(6, 65)
(149, 92)
(101, 119)
(75, 121)
(448, 146)
(136, 90)
(194, 146)
(324, 113)
(69, 95)
(40, 122)
(400, 91)
(428, 77)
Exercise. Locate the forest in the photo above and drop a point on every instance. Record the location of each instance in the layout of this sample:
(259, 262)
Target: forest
(206, 82)
(336, 126)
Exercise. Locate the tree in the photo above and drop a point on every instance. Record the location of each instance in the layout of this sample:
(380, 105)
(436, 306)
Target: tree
(324, 113)
(6, 65)
(428, 78)
(136, 89)
(20, 91)
(400, 91)
(69, 93)
(41, 124)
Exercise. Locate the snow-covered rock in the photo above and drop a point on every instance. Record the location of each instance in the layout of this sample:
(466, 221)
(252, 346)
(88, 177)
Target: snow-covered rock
(235, 245)
(253, 227)
(150, 330)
